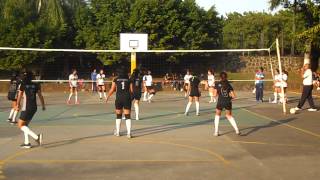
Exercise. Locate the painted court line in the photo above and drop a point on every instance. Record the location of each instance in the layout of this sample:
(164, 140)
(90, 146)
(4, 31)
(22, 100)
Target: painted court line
(285, 124)
(76, 161)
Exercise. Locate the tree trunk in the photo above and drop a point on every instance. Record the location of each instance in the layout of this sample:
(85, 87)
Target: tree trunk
(292, 38)
(315, 55)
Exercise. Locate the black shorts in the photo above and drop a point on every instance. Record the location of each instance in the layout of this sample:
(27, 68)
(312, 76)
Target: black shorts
(224, 105)
(123, 103)
(195, 94)
(136, 96)
(27, 115)
(151, 90)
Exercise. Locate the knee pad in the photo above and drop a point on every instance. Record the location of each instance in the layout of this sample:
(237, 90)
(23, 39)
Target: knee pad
(119, 116)
(127, 116)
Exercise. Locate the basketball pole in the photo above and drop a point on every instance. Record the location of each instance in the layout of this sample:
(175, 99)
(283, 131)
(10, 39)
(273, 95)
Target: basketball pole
(133, 60)
(280, 69)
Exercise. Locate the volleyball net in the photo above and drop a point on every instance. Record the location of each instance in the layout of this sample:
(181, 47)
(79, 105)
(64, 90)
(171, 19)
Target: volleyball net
(160, 62)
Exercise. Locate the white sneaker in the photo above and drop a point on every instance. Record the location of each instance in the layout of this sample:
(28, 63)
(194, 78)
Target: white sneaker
(216, 134)
(274, 102)
(297, 109)
(137, 119)
(210, 102)
(116, 134)
(129, 136)
(186, 114)
(312, 109)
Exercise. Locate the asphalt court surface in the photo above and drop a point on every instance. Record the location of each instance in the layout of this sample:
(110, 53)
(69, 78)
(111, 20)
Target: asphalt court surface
(79, 141)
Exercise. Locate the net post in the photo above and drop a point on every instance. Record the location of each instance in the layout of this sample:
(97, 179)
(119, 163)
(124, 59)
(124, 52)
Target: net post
(271, 66)
(133, 60)
(280, 69)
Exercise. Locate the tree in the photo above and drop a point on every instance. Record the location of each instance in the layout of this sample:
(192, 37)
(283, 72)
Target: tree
(310, 10)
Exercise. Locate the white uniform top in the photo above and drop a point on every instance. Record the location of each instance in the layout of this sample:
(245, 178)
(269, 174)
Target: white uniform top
(187, 78)
(73, 80)
(284, 80)
(100, 79)
(148, 80)
(278, 80)
(307, 77)
(211, 80)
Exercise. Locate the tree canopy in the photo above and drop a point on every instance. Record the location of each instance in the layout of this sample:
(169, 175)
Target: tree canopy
(171, 24)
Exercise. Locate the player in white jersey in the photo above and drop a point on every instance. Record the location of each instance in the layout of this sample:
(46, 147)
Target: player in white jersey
(285, 85)
(100, 83)
(186, 83)
(73, 84)
(210, 85)
(149, 90)
(277, 86)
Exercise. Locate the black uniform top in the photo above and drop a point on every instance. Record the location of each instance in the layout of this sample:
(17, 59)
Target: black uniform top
(123, 87)
(29, 95)
(194, 84)
(137, 84)
(223, 92)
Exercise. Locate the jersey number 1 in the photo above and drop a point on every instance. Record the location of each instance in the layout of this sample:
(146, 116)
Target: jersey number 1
(122, 84)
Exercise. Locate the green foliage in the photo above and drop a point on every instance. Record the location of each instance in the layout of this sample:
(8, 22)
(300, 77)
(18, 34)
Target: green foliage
(171, 24)
(259, 30)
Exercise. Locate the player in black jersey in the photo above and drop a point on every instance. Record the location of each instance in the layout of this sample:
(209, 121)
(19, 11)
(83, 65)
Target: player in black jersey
(12, 96)
(136, 80)
(123, 88)
(225, 94)
(27, 93)
(194, 94)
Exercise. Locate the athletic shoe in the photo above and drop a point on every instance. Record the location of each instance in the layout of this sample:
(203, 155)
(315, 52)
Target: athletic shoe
(68, 102)
(216, 134)
(137, 119)
(198, 114)
(116, 134)
(77, 102)
(129, 136)
(186, 114)
(297, 109)
(149, 101)
(210, 102)
(25, 146)
(39, 140)
(238, 133)
(312, 109)
(9, 120)
(13, 122)
(274, 102)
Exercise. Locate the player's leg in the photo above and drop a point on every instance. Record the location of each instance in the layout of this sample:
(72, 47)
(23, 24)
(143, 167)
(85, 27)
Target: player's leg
(23, 123)
(145, 93)
(196, 99)
(152, 92)
(100, 91)
(136, 108)
(14, 117)
(128, 121)
(188, 105)
(76, 95)
(104, 91)
(118, 122)
(231, 119)
(216, 120)
(70, 95)
(275, 94)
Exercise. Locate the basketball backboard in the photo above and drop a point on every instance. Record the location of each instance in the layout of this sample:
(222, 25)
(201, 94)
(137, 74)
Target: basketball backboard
(133, 42)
